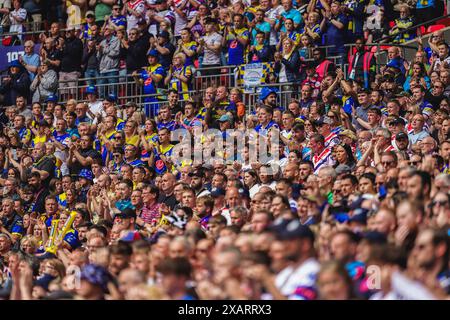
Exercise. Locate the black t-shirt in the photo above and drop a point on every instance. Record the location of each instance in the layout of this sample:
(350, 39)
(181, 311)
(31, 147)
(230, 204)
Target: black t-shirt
(166, 60)
(434, 100)
(47, 163)
(76, 166)
(170, 201)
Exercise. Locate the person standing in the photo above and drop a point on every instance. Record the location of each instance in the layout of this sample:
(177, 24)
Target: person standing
(108, 52)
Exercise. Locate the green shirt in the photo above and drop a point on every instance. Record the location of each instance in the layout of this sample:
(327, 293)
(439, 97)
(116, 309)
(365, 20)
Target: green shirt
(102, 10)
(330, 197)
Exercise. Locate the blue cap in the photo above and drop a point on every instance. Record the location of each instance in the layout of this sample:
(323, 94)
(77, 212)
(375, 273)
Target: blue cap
(91, 90)
(359, 216)
(15, 63)
(87, 174)
(96, 275)
(375, 237)
(152, 53)
(44, 281)
(111, 97)
(52, 98)
(295, 230)
(265, 92)
(217, 192)
(225, 117)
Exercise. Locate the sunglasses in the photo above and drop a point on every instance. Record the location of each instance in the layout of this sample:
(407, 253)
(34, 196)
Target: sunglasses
(440, 203)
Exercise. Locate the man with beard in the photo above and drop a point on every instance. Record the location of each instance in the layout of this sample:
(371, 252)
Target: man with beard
(343, 247)
(327, 176)
(297, 280)
(40, 193)
(197, 183)
(120, 256)
(268, 97)
(410, 215)
(419, 186)
(432, 256)
(306, 169)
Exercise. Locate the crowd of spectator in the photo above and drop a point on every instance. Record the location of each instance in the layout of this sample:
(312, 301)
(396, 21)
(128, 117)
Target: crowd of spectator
(350, 201)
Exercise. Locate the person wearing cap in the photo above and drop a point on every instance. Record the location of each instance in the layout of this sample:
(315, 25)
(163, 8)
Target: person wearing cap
(211, 46)
(86, 27)
(268, 96)
(151, 78)
(323, 125)
(197, 183)
(94, 281)
(164, 47)
(16, 83)
(108, 53)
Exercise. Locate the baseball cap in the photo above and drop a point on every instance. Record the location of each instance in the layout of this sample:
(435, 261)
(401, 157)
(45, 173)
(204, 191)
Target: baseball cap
(397, 121)
(152, 53)
(323, 120)
(91, 90)
(348, 133)
(343, 168)
(44, 281)
(210, 20)
(96, 275)
(401, 135)
(295, 230)
(217, 192)
(359, 216)
(265, 92)
(244, 192)
(15, 63)
(225, 117)
(51, 98)
(197, 173)
(176, 221)
(374, 237)
(90, 13)
(126, 213)
(111, 98)
(131, 236)
(207, 167)
(164, 34)
(403, 94)
(86, 174)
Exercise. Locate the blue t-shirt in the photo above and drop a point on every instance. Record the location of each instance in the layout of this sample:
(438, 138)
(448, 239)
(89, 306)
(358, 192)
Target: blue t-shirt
(263, 27)
(291, 14)
(335, 36)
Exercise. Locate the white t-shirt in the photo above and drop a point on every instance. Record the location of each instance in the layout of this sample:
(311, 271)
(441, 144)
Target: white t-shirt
(180, 22)
(272, 14)
(210, 57)
(17, 26)
(299, 283)
(139, 7)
